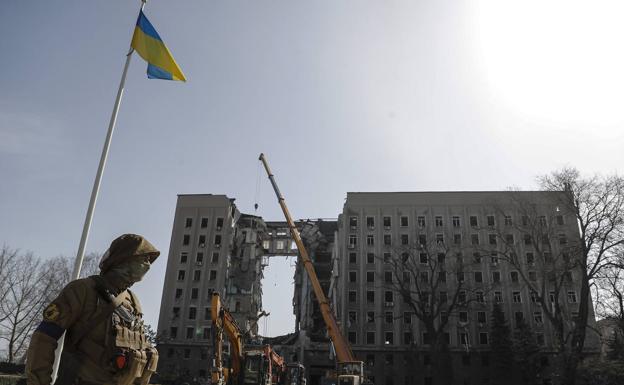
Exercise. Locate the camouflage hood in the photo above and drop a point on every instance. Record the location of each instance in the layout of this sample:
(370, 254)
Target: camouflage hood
(125, 247)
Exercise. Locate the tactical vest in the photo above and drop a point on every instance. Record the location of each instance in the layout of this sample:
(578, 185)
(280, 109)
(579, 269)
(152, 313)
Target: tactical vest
(124, 358)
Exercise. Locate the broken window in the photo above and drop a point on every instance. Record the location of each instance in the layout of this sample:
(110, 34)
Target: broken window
(370, 317)
(463, 316)
(516, 297)
(481, 317)
(217, 240)
(492, 239)
(387, 239)
(474, 239)
(537, 317)
(508, 220)
(438, 221)
(572, 297)
(496, 276)
(456, 221)
(370, 240)
(407, 338)
(352, 317)
(352, 240)
(421, 221)
(199, 258)
(353, 222)
(490, 220)
(480, 298)
(509, 239)
(514, 276)
(387, 222)
(422, 240)
(404, 221)
(439, 238)
(473, 221)
(457, 238)
(370, 222)
(181, 274)
(389, 340)
(498, 297)
(386, 257)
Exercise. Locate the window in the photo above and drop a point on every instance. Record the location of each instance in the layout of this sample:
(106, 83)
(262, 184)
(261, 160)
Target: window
(407, 338)
(563, 239)
(508, 221)
(352, 258)
(183, 257)
(201, 242)
(532, 276)
(389, 340)
(387, 276)
(192, 314)
(460, 276)
(474, 239)
(387, 222)
(178, 293)
(514, 276)
(176, 312)
(352, 336)
(559, 220)
(517, 298)
(206, 334)
(370, 240)
(219, 223)
(194, 293)
(370, 257)
(537, 317)
(370, 296)
(217, 240)
(388, 296)
(421, 221)
(424, 258)
(422, 240)
(457, 239)
(352, 317)
(481, 317)
(370, 317)
(352, 276)
(483, 338)
(444, 320)
(404, 221)
(407, 278)
(439, 238)
(404, 239)
(496, 276)
(181, 274)
(438, 221)
(539, 337)
(490, 220)
(492, 239)
(213, 275)
(389, 317)
(551, 296)
(461, 297)
(370, 338)
(518, 318)
(387, 239)
(196, 275)
(187, 352)
(498, 297)
(527, 239)
(186, 239)
(476, 256)
(190, 332)
(478, 276)
(352, 240)
(494, 259)
(479, 297)
(509, 239)
(424, 276)
(173, 332)
(443, 297)
(571, 297)
(442, 276)
(353, 222)
(188, 223)
(204, 223)
(534, 297)
(370, 359)
(473, 221)
(215, 257)
(463, 339)
(352, 296)
(456, 221)
(370, 276)
(530, 259)
(525, 220)
(207, 315)
(370, 222)
(199, 258)
(280, 245)
(407, 318)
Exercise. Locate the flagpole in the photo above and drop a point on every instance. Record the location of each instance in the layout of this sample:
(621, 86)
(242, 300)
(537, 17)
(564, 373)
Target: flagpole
(94, 193)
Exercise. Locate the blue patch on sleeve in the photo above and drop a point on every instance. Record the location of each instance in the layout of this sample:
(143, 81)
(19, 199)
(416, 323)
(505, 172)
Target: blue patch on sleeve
(50, 329)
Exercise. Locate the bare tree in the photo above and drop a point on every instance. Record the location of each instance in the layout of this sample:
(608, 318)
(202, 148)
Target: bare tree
(559, 259)
(429, 277)
(7, 266)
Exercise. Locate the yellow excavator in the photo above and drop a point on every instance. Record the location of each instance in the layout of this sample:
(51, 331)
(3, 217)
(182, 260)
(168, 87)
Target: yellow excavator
(348, 370)
(250, 365)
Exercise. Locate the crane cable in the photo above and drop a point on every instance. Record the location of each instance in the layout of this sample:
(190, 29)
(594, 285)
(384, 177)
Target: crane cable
(257, 194)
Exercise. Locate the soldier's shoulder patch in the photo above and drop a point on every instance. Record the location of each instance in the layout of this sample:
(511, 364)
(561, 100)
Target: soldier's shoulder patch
(52, 312)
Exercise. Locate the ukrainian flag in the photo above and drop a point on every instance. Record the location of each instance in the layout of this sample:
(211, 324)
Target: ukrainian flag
(160, 62)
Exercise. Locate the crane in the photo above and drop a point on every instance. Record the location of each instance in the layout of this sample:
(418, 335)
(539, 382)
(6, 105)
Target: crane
(349, 370)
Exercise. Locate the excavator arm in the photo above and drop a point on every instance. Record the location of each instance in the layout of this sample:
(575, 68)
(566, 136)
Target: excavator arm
(223, 321)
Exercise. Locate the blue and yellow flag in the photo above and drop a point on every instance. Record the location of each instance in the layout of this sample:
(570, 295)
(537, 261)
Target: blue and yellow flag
(160, 62)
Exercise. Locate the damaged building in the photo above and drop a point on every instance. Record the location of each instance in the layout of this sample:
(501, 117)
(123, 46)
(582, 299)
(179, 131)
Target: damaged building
(214, 247)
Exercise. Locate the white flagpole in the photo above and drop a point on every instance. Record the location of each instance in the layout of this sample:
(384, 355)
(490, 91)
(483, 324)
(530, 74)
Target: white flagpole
(94, 193)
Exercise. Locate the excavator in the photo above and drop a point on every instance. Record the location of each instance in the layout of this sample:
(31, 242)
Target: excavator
(250, 365)
(348, 370)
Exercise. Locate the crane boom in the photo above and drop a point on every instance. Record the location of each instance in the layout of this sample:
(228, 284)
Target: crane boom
(342, 347)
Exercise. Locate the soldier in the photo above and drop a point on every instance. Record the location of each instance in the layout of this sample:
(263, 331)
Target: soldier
(105, 343)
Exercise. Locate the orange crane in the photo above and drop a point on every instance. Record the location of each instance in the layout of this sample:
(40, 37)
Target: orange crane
(349, 370)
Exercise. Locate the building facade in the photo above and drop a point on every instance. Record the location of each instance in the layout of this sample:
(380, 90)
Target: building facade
(472, 249)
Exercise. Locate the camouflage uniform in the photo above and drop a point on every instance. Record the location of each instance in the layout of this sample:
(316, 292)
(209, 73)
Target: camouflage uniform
(104, 338)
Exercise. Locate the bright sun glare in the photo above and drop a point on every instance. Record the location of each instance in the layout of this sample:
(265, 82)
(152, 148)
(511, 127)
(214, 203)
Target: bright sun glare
(554, 60)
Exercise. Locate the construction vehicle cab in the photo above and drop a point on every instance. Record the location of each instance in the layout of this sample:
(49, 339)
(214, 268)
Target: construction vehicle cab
(295, 374)
(350, 372)
(257, 368)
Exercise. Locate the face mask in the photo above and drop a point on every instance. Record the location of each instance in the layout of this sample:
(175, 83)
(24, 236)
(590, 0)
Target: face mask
(131, 271)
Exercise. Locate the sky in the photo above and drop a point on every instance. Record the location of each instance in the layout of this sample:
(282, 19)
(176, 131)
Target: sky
(355, 95)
